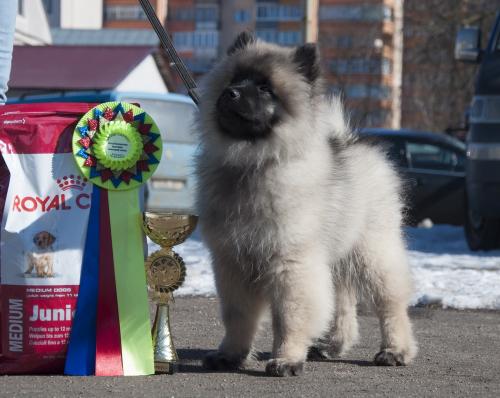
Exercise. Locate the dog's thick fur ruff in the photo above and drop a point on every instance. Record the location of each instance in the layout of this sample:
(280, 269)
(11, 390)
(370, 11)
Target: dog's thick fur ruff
(304, 222)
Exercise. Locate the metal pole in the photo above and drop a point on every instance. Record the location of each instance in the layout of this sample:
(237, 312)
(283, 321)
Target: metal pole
(167, 44)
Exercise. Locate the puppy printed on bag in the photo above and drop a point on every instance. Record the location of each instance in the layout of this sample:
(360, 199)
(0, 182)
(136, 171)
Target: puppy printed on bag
(41, 259)
(44, 220)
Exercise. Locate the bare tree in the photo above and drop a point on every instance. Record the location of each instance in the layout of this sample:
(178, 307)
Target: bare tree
(436, 88)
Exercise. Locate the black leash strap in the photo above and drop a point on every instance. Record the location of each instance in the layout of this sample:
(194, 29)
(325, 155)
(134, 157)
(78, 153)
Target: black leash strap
(167, 44)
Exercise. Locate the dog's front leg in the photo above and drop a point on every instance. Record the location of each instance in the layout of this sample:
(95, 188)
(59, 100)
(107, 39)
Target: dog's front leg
(50, 269)
(31, 265)
(302, 306)
(241, 310)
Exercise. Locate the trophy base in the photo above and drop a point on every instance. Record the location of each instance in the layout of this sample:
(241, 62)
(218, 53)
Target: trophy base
(165, 367)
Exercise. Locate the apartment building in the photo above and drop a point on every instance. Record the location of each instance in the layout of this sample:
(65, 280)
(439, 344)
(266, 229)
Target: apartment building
(195, 29)
(99, 14)
(128, 14)
(203, 29)
(281, 21)
(360, 45)
(360, 40)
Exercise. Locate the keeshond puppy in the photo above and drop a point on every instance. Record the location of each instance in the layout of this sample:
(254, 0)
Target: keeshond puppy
(300, 216)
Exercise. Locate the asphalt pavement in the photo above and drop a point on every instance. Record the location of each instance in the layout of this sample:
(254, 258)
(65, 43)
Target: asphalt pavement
(459, 357)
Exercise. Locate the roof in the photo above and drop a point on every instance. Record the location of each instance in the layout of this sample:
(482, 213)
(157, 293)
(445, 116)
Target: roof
(99, 96)
(73, 67)
(415, 134)
(104, 37)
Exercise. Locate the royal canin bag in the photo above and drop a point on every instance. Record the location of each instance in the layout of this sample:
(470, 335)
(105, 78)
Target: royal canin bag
(44, 204)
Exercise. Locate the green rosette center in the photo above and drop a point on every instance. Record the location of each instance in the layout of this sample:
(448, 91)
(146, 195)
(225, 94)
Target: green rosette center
(117, 145)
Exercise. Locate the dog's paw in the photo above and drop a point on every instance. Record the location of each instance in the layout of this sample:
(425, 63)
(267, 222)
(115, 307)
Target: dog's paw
(282, 368)
(318, 353)
(389, 358)
(217, 360)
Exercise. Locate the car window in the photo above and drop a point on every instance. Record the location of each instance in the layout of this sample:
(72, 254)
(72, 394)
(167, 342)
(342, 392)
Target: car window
(396, 153)
(434, 157)
(174, 119)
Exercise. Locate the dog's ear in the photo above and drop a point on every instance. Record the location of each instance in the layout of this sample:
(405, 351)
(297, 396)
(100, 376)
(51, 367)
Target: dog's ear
(242, 40)
(307, 59)
(50, 239)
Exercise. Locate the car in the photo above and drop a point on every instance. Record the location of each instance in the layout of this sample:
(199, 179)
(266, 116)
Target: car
(482, 177)
(171, 188)
(433, 169)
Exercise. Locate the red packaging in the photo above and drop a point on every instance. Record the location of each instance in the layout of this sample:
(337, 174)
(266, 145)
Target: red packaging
(44, 204)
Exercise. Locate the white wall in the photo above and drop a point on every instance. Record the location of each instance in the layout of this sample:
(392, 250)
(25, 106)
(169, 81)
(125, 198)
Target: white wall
(144, 77)
(81, 14)
(32, 27)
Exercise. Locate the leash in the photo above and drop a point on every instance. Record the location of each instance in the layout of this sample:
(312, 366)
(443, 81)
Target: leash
(168, 46)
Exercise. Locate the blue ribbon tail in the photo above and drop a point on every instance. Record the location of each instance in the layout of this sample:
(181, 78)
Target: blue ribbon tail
(80, 357)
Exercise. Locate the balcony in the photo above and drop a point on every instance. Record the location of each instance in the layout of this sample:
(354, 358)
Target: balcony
(272, 12)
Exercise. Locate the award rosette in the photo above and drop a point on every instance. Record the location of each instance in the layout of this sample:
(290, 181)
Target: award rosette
(117, 146)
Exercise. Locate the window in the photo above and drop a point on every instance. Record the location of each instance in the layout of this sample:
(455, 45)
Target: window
(181, 14)
(185, 41)
(124, 13)
(290, 38)
(361, 66)
(365, 12)
(386, 66)
(367, 91)
(429, 156)
(344, 41)
(206, 13)
(348, 41)
(203, 40)
(279, 12)
(182, 40)
(20, 7)
(241, 16)
(395, 147)
(284, 38)
(378, 118)
(268, 35)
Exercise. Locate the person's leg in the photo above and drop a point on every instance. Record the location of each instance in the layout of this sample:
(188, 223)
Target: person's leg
(8, 12)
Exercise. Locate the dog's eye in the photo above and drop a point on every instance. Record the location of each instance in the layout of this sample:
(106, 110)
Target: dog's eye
(264, 88)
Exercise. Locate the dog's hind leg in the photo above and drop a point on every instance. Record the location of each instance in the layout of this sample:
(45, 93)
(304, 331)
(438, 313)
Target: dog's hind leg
(50, 269)
(241, 312)
(389, 283)
(344, 330)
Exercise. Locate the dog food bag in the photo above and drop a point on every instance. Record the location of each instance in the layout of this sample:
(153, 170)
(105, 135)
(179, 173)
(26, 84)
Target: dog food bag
(44, 204)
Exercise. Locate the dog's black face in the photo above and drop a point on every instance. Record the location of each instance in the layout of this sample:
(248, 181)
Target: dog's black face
(248, 107)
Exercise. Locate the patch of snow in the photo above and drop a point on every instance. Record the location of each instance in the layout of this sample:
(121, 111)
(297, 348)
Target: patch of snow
(445, 271)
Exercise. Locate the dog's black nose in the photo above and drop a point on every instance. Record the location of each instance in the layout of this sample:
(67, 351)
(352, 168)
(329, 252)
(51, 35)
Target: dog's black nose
(233, 93)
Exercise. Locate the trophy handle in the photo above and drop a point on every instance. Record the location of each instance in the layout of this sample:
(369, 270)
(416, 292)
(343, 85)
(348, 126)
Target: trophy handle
(165, 355)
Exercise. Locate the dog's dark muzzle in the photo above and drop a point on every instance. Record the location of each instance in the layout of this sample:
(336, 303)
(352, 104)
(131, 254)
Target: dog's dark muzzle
(240, 113)
(240, 100)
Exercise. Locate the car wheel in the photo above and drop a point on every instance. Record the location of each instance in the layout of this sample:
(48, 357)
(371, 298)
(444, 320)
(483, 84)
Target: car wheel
(481, 233)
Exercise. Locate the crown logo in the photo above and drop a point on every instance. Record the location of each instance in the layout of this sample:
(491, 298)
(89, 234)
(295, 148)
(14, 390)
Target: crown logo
(72, 182)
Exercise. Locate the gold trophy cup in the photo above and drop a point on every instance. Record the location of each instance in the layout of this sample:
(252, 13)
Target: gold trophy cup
(165, 272)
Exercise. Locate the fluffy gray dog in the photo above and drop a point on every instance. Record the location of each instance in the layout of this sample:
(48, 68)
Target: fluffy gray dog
(299, 216)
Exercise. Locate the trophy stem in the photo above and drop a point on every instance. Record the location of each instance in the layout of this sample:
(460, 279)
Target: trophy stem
(165, 355)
